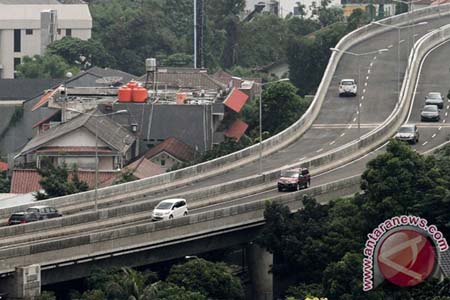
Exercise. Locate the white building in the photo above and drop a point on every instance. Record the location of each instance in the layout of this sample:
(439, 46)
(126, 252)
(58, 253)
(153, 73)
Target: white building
(27, 29)
(283, 8)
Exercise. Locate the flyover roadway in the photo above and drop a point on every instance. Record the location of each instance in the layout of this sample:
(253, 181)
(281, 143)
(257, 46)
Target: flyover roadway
(379, 100)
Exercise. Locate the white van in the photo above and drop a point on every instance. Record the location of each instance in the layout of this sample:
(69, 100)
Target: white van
(169, 209)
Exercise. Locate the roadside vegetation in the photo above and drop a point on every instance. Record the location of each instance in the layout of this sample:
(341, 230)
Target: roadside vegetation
(320, 247)
(195, 279)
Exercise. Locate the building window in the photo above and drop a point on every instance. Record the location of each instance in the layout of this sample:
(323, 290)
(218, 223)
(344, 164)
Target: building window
(17, 40)
(68, 32)
(59, 31)
(28, 31)
(16, 63)
(163, 162)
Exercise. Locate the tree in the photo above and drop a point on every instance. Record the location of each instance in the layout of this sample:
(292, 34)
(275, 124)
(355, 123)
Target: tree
(214, 280)
(5, 182)
(168, 291)
(85, 53)
(55, 181)
(47, 66)
(276, 95)
(357, 19)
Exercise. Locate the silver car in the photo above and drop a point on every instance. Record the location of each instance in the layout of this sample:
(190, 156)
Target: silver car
(408, 133)
(434, 98)
(430, 113)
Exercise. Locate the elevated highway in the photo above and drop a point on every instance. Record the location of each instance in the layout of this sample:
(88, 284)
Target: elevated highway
(122, 225)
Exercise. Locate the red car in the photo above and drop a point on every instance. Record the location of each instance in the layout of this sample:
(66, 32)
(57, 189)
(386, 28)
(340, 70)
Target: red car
(294, 179)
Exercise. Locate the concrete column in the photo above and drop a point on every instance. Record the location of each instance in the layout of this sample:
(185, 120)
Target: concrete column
(25, 283)
(259, 265)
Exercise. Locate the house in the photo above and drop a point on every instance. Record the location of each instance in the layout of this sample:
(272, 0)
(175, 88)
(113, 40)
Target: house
(82, 140)
(169, 153)
(28, 27)
(34, 109)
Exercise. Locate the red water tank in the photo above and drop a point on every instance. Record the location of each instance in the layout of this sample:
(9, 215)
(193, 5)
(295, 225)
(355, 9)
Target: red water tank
(139, 94)
(124, 94)
(132, 84)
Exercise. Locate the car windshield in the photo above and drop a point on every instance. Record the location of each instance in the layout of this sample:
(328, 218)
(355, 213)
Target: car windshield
(347, 82)
(430, 108)
(406, 129)
(18, 217)
(434, 96)
(164, 205)
(289, 174)
(31, 209)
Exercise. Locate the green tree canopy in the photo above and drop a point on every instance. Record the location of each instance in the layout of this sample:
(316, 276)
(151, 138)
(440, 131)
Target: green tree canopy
(47, 66)
(214, 280)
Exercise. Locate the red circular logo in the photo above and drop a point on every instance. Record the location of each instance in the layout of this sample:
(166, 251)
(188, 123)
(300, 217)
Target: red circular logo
(406, 257)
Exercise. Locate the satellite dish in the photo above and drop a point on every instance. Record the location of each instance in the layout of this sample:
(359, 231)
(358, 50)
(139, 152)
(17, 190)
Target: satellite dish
(109, 80)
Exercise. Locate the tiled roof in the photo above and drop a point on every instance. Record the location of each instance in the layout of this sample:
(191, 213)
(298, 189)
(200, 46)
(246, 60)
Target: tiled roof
(185, 78)
(23, 89)
(143, 168)
(44, 99)
(236, 100)
(27, 181)
(47, 119)
(108, 131)
(174, 147)
(73, 150)
(3, 166)
(236, 130)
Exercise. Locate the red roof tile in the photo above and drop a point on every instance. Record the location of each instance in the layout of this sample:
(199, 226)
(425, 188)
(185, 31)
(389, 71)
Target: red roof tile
(27, 180)
(44, 99)
(236, 130)
(3, 166)
(174, 147)
(143, 168)
(236, 100)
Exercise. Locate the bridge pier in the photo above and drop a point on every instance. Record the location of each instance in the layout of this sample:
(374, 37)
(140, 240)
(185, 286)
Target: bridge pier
(259, 266)
(24, 284)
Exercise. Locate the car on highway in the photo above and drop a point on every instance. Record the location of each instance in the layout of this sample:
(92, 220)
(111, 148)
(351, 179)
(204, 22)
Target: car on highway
(434, 98)
(347, 87)
(408, 133)
(44, 212)
(430, 113)
(169, 209)
(294, 179)
(22, 218)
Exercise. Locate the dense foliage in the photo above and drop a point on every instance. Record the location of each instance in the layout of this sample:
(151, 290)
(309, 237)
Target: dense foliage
(320, 247)
(55, 181)
(5, 182)
(196, 279)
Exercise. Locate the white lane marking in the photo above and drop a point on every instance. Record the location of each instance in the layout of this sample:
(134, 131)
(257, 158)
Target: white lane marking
(357, 112)
(371, 64)
(300, 159)
(448, 100)
(360, 105)
(401, 41)
(433, 136)
(367, 77)
(368, 71)
(364, 90)
(440, 127)
(342, 134)
(320, 150)
(446, 113)
(416, 34)
(365, 83)
(332, 143)
(425, 143)
(362, 98)
(443, 121)
(390, 46)
(448, 106)
(374, 58)
(354, 119)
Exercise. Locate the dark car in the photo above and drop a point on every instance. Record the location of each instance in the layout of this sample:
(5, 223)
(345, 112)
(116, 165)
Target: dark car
(434, 98)
(430, 113)
(293, 179)
(44, 212)
(408, 133)
(22, 218)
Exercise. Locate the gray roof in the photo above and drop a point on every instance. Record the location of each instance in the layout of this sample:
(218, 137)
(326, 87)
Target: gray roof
(191, 124)
(108, 131)
(23, 89)
(92, 76)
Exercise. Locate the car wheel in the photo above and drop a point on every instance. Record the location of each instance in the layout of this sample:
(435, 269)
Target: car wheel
(308, 183)
(185, 213)
(280, 189)
(170, 217)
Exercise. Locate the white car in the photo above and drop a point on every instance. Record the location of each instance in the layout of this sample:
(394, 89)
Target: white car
(169, 209)
(347, 87)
